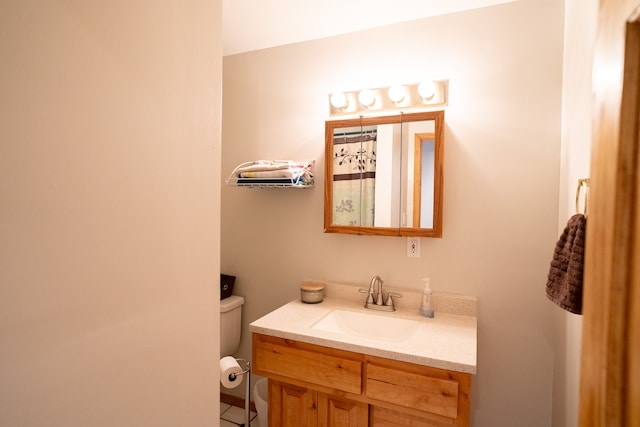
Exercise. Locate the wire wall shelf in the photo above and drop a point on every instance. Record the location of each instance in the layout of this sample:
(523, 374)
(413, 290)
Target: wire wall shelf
(273, 174)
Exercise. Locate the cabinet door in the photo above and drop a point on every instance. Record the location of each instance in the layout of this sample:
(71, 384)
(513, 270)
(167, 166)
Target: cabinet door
(336, 412)
(291, 406)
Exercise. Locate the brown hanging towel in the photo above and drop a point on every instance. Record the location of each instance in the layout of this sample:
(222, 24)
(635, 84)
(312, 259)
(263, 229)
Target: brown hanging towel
(564, 284)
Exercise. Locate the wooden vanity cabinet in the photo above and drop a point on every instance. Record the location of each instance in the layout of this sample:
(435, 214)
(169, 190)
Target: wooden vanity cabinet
(316, 386)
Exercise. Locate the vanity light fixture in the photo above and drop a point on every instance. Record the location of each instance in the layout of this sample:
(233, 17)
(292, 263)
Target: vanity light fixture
(425, 95)
(367, 97)
(396, 93)
(427, 89)
(339, 100)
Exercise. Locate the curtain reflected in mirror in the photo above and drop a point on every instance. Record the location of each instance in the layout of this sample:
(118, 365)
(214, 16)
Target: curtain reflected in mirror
(354, 176)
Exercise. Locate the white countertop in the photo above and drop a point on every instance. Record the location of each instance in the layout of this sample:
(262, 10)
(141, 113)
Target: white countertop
(447, 341)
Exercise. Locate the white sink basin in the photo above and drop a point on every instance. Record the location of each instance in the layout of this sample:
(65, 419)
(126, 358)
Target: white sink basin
(367, 325)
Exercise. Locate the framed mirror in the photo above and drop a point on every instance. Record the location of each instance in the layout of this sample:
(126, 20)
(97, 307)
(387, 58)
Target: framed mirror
(384, 175)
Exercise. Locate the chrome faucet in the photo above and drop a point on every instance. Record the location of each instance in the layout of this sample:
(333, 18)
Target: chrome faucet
(375, 298)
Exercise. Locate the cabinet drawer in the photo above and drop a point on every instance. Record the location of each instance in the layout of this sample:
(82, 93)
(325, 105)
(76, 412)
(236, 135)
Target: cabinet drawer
(383, 417)
(286, 359)
(413, 390)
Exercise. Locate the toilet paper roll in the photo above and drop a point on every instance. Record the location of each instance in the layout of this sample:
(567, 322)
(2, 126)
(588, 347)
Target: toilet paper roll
(230, 372)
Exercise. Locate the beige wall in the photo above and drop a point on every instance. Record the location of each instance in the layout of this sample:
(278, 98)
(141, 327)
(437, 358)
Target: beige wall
(109, 189)
(502, 168)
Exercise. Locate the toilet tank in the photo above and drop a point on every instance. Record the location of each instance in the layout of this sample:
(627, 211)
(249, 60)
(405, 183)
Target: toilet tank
(230, 324)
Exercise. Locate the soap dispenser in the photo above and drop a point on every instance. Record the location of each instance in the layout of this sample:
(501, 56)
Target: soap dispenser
(426, 307)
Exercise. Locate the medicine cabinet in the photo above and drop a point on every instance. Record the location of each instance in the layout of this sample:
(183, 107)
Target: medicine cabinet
(384, 175)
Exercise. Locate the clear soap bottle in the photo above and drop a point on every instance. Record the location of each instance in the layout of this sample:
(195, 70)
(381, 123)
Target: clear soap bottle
(426, 306)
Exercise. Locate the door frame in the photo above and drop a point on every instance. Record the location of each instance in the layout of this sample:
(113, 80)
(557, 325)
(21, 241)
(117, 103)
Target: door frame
(609, 379)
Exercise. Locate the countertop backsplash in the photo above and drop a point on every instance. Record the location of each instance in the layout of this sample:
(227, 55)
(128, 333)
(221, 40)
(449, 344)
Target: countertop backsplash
(460, 305)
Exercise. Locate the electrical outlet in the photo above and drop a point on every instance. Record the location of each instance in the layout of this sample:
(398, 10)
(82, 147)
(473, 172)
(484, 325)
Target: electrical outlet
(413, 247)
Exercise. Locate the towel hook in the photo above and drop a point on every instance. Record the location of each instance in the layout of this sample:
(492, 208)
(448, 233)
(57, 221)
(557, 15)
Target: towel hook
(582, 182)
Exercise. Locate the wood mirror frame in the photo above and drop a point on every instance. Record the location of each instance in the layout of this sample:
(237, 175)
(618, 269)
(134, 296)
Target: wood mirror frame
(414, 139)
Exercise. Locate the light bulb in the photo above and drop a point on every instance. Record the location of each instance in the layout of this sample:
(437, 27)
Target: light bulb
(339, 100)
(396, 93)
(367, 97)
(427, 89)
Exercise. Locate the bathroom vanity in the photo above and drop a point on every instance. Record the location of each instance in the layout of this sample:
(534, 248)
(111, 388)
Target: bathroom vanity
(337, 364)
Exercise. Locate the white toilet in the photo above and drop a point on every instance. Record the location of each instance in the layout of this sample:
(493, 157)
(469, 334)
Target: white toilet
(230, 324)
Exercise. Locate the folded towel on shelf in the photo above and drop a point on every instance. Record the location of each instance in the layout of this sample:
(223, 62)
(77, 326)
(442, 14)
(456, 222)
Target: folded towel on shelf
(269, 165)
(565, 278)
(257, 181)
(281, 173)
(274, 172)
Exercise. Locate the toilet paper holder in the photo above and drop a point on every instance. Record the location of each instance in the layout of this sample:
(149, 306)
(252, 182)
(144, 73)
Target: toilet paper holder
(246, 370)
